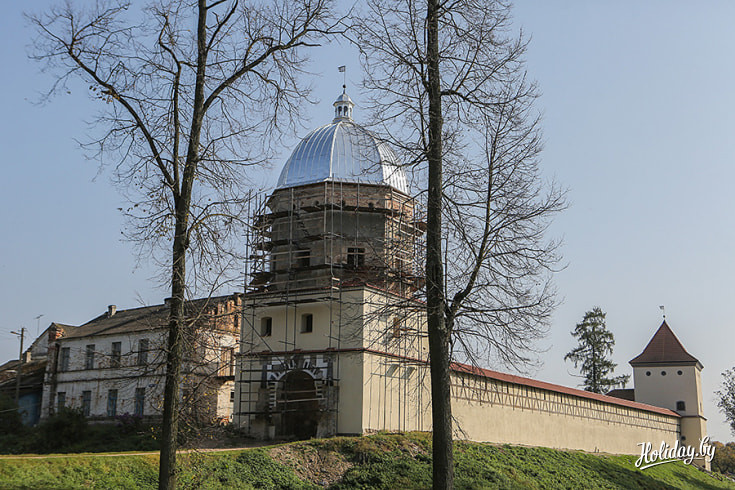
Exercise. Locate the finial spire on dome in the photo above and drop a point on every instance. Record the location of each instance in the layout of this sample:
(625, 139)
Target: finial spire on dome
(343, 105)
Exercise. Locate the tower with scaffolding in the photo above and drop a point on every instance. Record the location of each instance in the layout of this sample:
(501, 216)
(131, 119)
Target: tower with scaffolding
(333, 338)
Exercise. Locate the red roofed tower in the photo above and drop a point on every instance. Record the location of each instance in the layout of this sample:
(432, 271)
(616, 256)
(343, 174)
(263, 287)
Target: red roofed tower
(666, 375)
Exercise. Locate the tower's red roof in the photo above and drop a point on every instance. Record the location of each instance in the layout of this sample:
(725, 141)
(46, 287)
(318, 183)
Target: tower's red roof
(664, 348)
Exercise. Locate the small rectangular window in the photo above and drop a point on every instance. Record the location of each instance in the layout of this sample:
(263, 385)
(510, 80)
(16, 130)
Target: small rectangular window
(89, 357)
(139, 401)
(111, 403)
(64, 359)
(266, 326)
(60, 400)
(355, 257)
(680, 406)
(226, 362)
(397, 326)
(115, 354)
(142, 352)
(86, 403)
(302, 258)
(307, 323)
(398, 264)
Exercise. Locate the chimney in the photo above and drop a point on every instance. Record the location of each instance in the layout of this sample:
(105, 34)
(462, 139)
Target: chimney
(55, 332)
(111, 309)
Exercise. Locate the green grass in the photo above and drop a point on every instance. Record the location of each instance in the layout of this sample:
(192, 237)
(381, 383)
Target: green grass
(389, 461)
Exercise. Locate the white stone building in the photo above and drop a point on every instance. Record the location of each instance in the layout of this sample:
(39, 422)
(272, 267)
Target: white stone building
(114, 364)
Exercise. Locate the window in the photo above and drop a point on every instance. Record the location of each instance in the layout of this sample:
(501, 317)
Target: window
(307, 323)
(397, 324)
(111, 403)
(266, 326)
(115, 354)
(648, 373)
(302, 258)
(86, 402)
(60, 400)
(679, 373)
(680, 406)
(663, 373)
(142, 352)
(355, 257)
(226, 362)
(89, 357)
(398, 264)
(139, 401)
(64, 359)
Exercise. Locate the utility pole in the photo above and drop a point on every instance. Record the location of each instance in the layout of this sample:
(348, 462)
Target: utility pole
(20, 365)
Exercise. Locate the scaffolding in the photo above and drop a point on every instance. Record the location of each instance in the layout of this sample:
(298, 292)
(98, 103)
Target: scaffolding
(309, 245)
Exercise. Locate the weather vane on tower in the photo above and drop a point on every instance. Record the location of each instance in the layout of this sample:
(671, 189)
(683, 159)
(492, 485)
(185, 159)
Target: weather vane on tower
(343, 69)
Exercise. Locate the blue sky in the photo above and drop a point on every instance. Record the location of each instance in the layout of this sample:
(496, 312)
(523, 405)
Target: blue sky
(638, 107)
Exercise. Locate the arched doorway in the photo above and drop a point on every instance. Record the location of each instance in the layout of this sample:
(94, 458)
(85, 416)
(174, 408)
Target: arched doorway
(298, 406)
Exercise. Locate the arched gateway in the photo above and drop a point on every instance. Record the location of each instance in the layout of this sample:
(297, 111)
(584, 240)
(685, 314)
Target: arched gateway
(297, 406)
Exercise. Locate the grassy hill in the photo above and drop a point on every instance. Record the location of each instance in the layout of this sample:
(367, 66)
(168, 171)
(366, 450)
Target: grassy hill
(390, 461)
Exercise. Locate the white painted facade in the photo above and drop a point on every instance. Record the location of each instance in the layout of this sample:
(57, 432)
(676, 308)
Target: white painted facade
(114, 365)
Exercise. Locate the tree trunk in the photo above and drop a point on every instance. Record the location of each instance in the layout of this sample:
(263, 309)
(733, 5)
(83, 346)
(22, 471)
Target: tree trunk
(170, 423)
(441, 403)
(169, 444)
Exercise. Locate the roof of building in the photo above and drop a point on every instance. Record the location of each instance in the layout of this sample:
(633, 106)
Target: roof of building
(132, 320)
(520, 380)
(664, 348)
(343, 151)
(31, 378)
(625, 394)
(123, 321)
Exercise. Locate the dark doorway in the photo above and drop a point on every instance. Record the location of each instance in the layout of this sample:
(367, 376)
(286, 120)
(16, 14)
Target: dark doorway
(298, 406)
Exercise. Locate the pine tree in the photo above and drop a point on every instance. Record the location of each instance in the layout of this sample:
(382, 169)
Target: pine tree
(595, 345)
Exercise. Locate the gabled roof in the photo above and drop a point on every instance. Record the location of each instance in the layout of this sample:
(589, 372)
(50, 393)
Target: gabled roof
(141, 319)
(123, 321)
(664, 348)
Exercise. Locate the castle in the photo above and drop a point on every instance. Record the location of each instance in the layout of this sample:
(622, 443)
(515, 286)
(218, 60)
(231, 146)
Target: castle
(333, 337)
(332, 333)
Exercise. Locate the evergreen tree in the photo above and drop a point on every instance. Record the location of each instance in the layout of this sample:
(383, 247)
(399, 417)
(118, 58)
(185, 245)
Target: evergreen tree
(595, 345)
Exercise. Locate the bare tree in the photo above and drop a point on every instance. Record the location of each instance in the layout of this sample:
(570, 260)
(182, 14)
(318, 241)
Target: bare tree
(449, 89)
(192, 93)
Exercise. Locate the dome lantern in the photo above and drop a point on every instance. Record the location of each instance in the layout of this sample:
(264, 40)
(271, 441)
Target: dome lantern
(343, 108)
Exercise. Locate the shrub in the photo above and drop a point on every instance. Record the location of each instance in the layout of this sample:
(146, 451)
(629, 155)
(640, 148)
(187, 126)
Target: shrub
(63, 429)
(10, 421)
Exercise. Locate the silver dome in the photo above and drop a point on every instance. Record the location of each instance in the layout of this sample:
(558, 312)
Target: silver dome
(342, 152)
